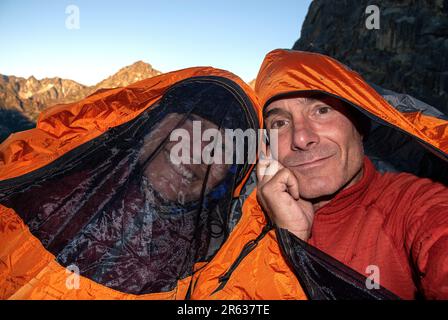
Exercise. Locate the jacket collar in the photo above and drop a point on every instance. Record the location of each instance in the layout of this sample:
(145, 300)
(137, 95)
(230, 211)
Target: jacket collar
(352, 195)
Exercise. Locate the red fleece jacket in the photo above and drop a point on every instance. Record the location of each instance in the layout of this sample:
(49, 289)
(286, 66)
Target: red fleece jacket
(396, 222)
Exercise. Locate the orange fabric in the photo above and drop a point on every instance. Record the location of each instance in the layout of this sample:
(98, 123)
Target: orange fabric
(286, 71)
(27, 269)
(263, 274)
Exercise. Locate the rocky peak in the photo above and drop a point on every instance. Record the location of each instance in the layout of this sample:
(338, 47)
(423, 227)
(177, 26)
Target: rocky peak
(130, 74)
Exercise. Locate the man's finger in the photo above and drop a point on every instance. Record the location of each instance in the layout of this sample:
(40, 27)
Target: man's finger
(266, 169)
(263, 147)
(273, 168)
(262, 166)
(288, 182)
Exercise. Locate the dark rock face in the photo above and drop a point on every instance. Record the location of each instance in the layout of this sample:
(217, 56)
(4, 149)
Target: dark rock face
(408, 54)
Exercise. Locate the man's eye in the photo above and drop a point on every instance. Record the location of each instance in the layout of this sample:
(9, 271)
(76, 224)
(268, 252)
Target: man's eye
(323, 110)
(276, 124)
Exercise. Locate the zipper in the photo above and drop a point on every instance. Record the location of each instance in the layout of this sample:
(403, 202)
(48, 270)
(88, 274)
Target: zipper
(248, 248)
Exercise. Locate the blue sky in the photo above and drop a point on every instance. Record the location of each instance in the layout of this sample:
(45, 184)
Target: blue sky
(169, 34)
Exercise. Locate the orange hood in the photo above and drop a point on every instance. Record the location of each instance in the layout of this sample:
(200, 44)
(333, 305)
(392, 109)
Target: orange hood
(285, 72)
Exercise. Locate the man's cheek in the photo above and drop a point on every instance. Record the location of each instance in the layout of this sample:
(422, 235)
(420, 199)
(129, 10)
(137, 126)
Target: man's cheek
(279, 144)
(281, 155)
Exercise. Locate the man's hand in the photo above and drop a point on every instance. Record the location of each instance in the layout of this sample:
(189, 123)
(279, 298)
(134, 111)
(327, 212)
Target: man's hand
(279, 195)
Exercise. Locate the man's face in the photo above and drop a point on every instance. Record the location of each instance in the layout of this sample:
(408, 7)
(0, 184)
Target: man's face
(318, 142)
(179, 182)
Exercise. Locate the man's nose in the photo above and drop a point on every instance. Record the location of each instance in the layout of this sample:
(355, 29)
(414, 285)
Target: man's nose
(304, 137)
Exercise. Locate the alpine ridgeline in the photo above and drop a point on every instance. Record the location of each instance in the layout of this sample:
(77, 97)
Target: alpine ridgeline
(21, 100)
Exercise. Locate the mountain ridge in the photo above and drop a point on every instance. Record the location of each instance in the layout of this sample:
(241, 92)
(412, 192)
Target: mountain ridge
(23, 99)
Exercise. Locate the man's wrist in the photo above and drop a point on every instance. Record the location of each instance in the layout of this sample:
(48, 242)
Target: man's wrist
(302, 234)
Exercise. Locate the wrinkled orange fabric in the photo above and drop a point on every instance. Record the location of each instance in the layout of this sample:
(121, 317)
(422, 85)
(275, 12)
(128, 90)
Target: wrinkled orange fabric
(27, 269)
(262, 275)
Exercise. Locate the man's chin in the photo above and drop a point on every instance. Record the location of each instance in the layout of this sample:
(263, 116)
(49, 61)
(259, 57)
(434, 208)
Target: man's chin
(313, 190)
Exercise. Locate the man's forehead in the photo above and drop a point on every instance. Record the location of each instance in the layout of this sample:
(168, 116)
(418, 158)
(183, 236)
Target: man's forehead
(286, 103)
(301, 99)
(292, 102)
